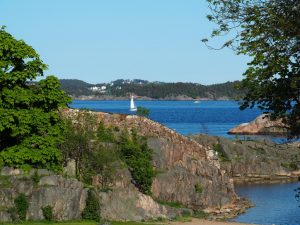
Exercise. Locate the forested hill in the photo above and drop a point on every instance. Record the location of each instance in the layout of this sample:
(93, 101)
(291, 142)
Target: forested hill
(119, 89)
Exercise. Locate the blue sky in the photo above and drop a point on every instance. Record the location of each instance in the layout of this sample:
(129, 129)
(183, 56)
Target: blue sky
(103, 40)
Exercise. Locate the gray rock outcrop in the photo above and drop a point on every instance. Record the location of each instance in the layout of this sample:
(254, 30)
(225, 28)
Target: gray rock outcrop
(125, 202)
(255, 161)
(66, 196)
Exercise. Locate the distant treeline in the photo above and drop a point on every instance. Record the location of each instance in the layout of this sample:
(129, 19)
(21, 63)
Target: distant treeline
(154, 90)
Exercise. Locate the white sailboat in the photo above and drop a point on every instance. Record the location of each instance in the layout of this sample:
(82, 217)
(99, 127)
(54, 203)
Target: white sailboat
(132, 106)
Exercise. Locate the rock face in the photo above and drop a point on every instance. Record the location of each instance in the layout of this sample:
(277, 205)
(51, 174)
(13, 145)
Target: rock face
(261, 125)
(185, 173)
(255, 161)
(66, 196)
(178, 182)
(125, 202)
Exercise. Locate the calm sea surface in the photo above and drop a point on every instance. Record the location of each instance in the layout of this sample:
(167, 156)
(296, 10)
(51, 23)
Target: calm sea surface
(275, 204)
(186, 117)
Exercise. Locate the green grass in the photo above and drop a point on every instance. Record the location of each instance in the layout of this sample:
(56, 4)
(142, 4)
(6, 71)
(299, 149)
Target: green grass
(76, 223)
(171, 204)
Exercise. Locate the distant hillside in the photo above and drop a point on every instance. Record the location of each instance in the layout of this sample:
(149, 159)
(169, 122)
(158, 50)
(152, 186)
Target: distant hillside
(76, 87)
(153, 90)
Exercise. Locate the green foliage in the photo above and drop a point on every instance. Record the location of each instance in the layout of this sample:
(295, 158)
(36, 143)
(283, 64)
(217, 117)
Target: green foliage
(177, 205)
(36, 178)
(79, 131)
(98, 151)
(156, 90)
(90, 147)
(5, 181)
(136, 154)
(105, 134)
(268, 32)
(21, 205)
(198, 188)
(92, 208)
(48, 212)
(30, 125)
(26, 168)
(141, 111)
(103, 162)
(221, 153)
(290, 166)
(200, 215)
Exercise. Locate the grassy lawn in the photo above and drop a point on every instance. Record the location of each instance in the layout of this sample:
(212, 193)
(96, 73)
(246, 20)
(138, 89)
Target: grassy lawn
(77, 223)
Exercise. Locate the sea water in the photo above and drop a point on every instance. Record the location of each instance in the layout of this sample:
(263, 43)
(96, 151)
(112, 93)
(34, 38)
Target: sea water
(274, 204)
(186, 117)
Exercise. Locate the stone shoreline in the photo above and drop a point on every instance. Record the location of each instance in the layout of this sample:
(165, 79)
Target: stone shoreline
(230, 211)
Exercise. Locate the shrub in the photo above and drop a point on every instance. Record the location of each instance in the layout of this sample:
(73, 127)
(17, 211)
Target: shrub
(221, 153)
(21, 204)
(92, 208)
(138, 157)
(36, 178)
(200, 214)
(198, 188)
(171, 204)
(105, 134)
(48, 212)
(141, 111)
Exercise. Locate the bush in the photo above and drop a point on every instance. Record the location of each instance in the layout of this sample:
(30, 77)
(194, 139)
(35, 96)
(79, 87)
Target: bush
(141, 111)
(138, 157)
(177, 205)
(36, 178)
(198, 188)
(105, 134)
(200, 215)
(48, 212)
(21, 205)
(221, 153)
(92, 208)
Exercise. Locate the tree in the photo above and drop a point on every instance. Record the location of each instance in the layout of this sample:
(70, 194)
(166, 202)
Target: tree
(30, 124)
(267, 31)
(79, 131)
(141, 111)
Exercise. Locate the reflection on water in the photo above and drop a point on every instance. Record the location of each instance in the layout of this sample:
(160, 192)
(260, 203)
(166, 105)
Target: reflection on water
(274, 204)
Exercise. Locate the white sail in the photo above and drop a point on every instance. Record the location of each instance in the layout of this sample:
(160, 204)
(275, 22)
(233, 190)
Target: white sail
(132, 106)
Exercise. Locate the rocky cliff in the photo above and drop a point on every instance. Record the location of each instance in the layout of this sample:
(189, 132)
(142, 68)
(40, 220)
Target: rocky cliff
(254, 161)
(185, 174)
(66, 196)
(261, 125)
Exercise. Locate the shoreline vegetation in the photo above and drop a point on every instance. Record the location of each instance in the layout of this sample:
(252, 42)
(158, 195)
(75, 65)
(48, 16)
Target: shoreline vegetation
(145, 90)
